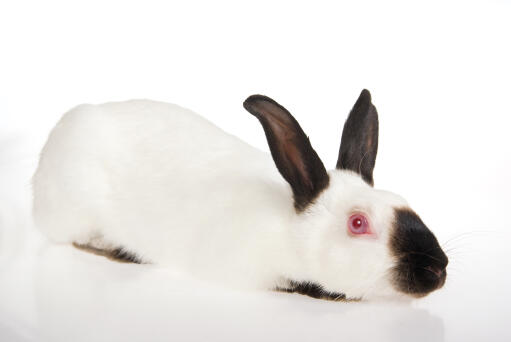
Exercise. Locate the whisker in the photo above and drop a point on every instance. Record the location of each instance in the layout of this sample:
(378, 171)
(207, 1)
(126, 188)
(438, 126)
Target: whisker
(426, 254)
(427, 269)
(361, 161)
(466, 235)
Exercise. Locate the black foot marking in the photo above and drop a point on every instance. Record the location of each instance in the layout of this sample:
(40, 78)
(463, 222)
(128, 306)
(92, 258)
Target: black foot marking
(315, 291)
(117, 254)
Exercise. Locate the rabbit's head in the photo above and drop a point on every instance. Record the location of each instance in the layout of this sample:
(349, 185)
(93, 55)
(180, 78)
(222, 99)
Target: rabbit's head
(350, 239)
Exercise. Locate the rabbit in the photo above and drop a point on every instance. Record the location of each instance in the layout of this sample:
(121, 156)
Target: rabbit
(151, 182)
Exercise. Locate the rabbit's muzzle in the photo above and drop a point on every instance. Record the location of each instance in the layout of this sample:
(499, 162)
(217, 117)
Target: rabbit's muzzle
(420, 262)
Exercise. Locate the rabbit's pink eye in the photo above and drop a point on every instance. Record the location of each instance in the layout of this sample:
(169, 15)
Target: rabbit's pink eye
(358, 224)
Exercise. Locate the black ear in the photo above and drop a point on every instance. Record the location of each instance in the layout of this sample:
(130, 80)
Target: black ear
(291, 150)
(359, 142)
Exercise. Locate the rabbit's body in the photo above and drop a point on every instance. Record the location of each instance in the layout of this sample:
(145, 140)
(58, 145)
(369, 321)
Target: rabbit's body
(162, 185)
(162, 182)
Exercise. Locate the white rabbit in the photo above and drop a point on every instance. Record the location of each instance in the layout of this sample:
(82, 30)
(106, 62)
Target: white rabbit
(152, 182)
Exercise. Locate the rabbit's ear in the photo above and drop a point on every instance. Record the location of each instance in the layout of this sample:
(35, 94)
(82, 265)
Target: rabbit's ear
(359, 142)
(291, 150)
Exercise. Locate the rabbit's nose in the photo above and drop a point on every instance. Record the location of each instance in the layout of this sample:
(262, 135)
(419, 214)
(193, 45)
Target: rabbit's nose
(439, 273)
(436, 271)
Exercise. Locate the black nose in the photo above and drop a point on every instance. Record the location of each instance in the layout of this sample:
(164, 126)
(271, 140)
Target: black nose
(436, 271)
(429, 278)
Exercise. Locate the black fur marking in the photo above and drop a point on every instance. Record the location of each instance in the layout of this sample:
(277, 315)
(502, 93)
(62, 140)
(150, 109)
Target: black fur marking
(291, 150)
(124, 255)
(315, 291)
(421, 263)
(359, 142)
(116, 254)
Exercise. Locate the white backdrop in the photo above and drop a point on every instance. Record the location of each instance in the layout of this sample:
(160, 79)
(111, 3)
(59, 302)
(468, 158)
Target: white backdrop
(440, 77)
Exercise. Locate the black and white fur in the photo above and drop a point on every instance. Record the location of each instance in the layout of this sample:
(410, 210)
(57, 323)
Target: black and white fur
(162, 185)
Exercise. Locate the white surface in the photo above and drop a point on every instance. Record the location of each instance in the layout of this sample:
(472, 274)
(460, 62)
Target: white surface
(57, 293)
(439, 74)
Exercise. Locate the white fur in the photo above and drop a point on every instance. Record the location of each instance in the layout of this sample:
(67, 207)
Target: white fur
(168, 185)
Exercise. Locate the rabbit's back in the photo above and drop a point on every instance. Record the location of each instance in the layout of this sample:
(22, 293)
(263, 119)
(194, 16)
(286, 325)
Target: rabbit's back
(156, 179)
